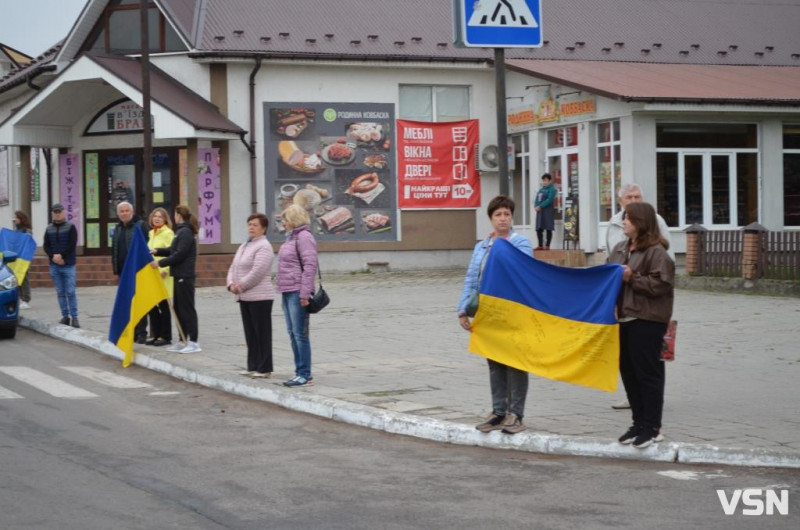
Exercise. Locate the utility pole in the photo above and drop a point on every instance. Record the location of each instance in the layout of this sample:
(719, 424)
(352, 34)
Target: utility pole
(145, 201)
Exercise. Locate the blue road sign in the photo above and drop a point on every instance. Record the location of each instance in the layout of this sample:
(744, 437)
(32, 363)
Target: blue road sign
(499, 23)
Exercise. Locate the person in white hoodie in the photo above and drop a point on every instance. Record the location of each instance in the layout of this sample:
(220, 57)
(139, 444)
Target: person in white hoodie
(250, 282)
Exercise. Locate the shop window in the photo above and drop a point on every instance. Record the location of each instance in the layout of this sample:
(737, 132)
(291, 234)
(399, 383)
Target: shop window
(707, 174)
(791, 175)
(434, 103)
(118, 30)
(609, 150)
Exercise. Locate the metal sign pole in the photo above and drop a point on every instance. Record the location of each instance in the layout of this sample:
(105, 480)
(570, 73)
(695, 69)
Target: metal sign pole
(147, 155)
(502, 129)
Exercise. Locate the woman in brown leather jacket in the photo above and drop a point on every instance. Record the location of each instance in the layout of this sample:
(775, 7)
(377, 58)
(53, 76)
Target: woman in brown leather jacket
(644, 308)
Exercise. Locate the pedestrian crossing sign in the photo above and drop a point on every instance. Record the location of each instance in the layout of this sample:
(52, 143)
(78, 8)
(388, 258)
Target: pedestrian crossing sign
(497, 23)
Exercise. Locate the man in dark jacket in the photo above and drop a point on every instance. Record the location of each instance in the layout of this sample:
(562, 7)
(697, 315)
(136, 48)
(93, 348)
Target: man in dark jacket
(121, 240)
(60, 242)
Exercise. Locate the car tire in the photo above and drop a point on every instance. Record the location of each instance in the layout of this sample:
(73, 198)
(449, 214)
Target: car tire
(8, 333)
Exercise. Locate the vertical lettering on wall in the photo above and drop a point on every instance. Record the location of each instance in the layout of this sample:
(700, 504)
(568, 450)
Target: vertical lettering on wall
(209, 213)
(70, 190)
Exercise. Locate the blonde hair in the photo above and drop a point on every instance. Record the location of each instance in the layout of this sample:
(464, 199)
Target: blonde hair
(164, 214)
(295, 215)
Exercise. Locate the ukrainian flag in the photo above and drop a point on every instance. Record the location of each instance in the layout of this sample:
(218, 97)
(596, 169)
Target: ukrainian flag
(140, 289)
(555, 322)
(23, 244)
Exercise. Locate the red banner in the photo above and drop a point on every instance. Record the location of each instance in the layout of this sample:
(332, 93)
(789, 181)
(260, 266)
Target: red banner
(436, 165)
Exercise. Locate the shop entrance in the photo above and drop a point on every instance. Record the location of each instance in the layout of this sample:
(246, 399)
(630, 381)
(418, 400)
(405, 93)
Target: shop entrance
(114, 176)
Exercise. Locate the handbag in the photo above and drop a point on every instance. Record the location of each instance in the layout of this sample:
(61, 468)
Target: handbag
(668, 346)
(320, 299)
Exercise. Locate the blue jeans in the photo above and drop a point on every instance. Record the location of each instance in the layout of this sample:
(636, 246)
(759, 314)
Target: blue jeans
(64, 280)
(297, 324)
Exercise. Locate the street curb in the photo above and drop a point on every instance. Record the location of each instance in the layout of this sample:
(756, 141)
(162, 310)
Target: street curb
(423, 427)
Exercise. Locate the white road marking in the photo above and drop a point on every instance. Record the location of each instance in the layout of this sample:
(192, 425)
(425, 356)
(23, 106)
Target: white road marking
(106, 378)
(46, 383)
(8, 394)
(163, 393)
(680, 475)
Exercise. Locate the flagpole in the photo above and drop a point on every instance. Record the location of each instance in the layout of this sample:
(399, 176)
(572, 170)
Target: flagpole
(177, 322)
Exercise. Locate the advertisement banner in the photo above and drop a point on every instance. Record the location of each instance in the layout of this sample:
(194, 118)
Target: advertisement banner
(436, 165)
(4, 191)
(70, 185)
(34, 174)
(209, 214)
(336, 160)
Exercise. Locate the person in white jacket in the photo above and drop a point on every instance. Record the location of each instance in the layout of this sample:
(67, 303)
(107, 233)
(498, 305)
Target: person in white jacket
(628, 193)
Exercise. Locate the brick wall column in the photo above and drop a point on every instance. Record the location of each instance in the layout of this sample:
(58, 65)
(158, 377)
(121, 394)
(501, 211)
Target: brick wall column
(693, 250)
(751, 251)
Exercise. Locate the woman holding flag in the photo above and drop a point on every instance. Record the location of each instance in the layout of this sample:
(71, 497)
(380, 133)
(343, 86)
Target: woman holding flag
(644, 308)
(161, 236)
(180, 258)
(22, 223)
(509, 385)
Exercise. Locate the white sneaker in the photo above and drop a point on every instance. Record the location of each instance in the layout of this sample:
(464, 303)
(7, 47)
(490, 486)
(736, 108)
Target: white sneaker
(24, 305)
(191, 347)
(178, 346)
(246, 372)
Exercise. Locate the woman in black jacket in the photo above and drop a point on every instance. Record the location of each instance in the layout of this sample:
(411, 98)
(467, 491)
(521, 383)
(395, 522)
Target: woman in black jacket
(181, 258)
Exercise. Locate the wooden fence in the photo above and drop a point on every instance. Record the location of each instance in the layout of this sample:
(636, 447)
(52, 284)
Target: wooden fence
(779, 256)
(751, 253)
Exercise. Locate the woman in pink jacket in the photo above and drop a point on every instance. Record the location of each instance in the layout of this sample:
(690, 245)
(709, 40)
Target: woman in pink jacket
(250, 281)
(297, 266)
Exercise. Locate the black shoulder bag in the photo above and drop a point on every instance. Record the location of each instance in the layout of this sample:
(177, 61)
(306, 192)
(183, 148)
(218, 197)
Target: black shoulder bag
(320, 299)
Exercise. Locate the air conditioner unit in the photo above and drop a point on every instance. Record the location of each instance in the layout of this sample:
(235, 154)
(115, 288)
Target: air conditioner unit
(487, 157)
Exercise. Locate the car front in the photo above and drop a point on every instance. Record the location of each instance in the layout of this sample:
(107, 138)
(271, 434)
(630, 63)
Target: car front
(9, 297)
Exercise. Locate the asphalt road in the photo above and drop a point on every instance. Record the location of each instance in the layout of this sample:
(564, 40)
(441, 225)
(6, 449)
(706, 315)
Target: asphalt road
(148, 451)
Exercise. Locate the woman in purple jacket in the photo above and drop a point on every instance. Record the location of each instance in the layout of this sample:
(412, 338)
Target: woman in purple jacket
(297, 266)
(250, 281)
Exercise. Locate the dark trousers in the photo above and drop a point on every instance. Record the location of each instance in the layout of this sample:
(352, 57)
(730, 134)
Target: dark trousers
(509, 389)
(257, 321)
(25, 289)
(540, 236)
(642, 370)
(184, 307)
(161, 321)
(141, 328)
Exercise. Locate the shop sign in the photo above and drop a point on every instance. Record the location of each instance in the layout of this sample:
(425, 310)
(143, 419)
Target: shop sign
(123, 116)
(337, 161)
(550, 110)
(209, 188)
(436, 164)
(34, 175)
(70, 190)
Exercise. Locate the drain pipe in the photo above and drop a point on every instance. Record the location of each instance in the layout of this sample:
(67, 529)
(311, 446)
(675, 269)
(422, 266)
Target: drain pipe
(252, 146)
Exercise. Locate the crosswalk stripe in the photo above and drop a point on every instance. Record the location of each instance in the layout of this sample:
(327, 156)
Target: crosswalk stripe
(8, 394)
(46, 383)
(106, 378)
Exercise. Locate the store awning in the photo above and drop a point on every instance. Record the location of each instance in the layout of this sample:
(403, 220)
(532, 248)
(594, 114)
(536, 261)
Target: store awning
(92, 82)
(679, 83)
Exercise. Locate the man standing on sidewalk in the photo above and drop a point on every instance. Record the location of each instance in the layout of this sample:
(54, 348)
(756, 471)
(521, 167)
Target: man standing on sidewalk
(60, 243)
(121, 240)
(615, 233)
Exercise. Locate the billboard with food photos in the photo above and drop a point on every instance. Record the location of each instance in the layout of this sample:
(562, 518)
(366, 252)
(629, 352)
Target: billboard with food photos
(336, 160)
(436, 164)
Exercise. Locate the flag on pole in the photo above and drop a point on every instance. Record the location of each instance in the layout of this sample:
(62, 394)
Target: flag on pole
(24, 245)
(140, 289)
(555, 322)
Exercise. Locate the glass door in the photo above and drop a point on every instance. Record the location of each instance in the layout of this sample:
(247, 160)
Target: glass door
(709, 188)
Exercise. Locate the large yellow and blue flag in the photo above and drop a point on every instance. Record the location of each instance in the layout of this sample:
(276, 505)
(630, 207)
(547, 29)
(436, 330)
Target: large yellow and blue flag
(140, 289)
(25, 247)
(555, 322)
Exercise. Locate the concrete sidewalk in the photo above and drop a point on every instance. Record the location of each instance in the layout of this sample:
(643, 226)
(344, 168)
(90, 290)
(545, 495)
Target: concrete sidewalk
(388, 354)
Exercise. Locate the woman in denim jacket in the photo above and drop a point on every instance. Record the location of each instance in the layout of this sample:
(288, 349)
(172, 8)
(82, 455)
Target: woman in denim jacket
(509, 385)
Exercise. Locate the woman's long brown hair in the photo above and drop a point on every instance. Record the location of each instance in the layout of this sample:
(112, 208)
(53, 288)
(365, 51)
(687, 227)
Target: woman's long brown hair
(188, 217)
(643, 217)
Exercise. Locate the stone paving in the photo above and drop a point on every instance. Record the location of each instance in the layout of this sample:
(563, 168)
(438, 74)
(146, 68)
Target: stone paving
(392, 341)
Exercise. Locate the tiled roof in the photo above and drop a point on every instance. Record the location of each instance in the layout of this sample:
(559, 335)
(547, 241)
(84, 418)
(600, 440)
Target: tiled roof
(762, 32)
(18, 75)
(671, 82)
(170, 93)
